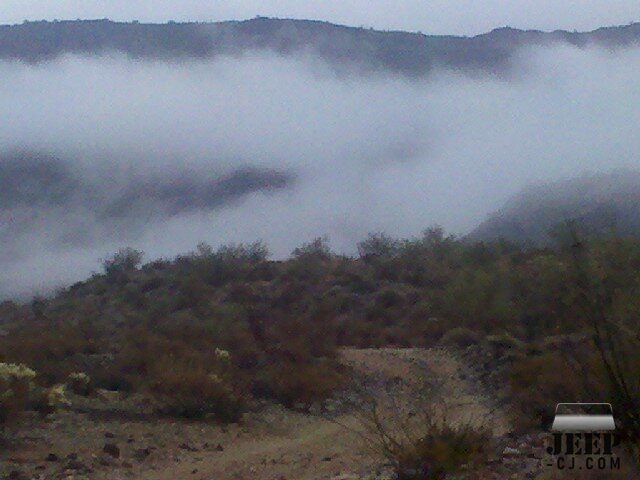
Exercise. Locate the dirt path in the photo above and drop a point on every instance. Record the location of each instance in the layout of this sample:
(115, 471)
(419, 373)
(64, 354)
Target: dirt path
(272, 443)
(304, 447)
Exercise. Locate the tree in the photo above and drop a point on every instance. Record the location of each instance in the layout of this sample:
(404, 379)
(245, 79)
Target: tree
(124, 260)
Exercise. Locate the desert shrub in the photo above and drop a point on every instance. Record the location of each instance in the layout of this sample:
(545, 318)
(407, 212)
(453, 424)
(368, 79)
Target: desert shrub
(189, 390)
(504, 344)
(479, 298)
(539, 382)
(418, 440)
(292, 383)
(9, 312)
(47, 400)
(180, 368)
(79, 383)
(377, 245)
(318, 248)
(460, 337)
(311, 261)
(50, 347)
(442, 451)
(422, 326)
(242, 293)
(389, 298)
(226, 264)
(16, 384)
(605, 282)
(124, 260)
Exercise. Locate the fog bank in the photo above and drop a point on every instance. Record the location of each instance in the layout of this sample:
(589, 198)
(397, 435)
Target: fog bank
(98, 153)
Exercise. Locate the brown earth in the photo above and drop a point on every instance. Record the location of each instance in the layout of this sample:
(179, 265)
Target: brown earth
(271, 443)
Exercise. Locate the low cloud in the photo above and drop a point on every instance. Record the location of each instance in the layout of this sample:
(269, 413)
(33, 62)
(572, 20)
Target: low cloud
(161, 155)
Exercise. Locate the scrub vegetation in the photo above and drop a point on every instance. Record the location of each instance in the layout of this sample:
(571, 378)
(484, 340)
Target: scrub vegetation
(563, 319)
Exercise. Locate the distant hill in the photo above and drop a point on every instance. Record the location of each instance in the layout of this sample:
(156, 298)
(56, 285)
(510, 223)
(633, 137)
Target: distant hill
(30, 180)
(598, 203)
(407, 53)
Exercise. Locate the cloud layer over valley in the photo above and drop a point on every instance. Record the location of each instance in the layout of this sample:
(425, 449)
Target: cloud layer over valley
(102, 152)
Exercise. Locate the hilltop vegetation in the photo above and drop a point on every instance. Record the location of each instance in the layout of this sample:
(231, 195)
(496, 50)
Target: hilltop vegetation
(358, 48)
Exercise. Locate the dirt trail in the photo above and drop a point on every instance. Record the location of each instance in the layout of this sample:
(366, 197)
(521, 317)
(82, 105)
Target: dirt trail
(304, 447)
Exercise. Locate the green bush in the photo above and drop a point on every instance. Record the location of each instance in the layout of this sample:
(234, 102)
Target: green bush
(192, 391)
(79, 383)
(460, 337)
(292, 383)
(443, 451)
(16, 384)
(124, 260)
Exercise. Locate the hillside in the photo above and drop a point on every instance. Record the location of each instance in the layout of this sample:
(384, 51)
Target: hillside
(408, 53)
(145, 352)
(600, 204)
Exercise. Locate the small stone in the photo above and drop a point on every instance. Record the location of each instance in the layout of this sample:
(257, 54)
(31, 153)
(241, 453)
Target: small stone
(52, 457)
(111, 449)
(219, 448)
(141, 454)
(510, 452)
(188, 448)
(76, 465)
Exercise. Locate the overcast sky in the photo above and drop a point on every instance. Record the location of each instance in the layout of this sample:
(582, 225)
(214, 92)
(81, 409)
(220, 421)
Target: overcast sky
(462, 17)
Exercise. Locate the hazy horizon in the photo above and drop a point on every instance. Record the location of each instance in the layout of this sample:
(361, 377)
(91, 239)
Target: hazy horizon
(445, 17)
(169, 21)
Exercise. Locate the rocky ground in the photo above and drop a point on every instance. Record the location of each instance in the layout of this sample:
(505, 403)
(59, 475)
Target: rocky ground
(109, 437)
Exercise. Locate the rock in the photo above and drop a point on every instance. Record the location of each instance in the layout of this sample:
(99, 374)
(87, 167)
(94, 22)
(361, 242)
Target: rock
(315, 409)
(188, 448)
(52, 457)
(111, 449)
(77, 465)
(219, 448)
(107, 396)
(326, 459)
(410, 472)
(105, 461)
(510, 452)
(141, 454)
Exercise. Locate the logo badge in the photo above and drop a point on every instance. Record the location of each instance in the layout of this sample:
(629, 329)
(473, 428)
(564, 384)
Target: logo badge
(583, 437)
